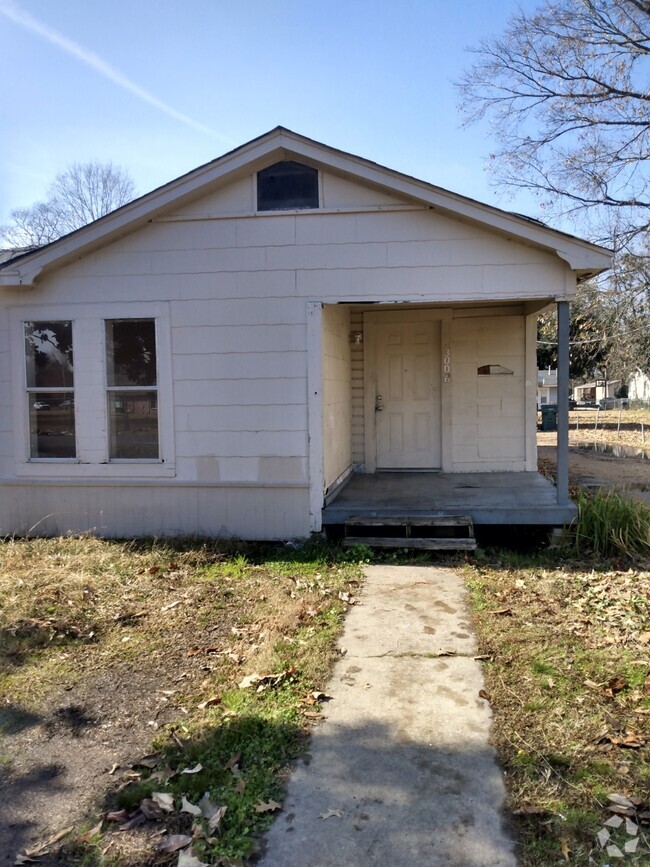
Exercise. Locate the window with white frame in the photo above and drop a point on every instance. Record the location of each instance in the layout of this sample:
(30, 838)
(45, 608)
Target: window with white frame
(102, 409)
(132, 389)
(49, 381)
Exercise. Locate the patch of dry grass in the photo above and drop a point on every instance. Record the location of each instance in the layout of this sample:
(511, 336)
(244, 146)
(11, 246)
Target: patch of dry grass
(139, 634)
(568, 675)
(88, 602)
(628, 427)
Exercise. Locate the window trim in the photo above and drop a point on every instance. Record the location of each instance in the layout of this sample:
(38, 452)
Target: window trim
(126, 388)
(91, 407)
(44, 389)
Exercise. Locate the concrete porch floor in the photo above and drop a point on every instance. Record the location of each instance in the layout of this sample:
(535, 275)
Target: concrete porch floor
(489, 498)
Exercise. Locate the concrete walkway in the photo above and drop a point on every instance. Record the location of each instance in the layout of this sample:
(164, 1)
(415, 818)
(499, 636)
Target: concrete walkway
(400, 772)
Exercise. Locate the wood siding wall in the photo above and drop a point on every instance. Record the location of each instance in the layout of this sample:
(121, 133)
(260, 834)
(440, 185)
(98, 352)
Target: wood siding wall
(237, 287)
(337, 445)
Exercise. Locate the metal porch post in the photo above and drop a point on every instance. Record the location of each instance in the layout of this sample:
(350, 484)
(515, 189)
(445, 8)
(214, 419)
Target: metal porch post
(562, 403)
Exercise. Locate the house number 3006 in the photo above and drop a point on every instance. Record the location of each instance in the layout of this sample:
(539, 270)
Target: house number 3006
(446, 364)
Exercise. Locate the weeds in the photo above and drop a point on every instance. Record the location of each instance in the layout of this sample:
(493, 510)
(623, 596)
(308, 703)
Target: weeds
(610, 524)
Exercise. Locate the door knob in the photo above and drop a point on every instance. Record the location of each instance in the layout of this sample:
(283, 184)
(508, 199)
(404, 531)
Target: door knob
(378, 403)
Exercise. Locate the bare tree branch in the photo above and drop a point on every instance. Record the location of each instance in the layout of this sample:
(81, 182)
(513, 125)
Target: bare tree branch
(79, 195)
(566, 89)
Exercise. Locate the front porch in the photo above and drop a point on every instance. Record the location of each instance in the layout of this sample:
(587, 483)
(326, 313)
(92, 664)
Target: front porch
(488, 498)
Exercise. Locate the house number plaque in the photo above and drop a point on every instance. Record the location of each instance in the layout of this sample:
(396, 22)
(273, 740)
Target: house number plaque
(446, 363)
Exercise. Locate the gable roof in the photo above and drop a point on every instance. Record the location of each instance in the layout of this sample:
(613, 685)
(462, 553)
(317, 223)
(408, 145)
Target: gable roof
(584, 258)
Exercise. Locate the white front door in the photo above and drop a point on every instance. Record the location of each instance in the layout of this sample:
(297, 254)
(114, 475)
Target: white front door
(407, 398)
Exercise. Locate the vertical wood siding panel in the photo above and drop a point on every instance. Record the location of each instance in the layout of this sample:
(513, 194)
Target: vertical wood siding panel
(357, 410)
(336, 392)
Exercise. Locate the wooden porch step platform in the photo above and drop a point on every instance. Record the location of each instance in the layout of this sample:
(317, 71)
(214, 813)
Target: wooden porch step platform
(425, 532)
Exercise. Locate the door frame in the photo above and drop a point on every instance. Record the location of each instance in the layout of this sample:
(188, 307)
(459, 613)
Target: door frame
(371, 319)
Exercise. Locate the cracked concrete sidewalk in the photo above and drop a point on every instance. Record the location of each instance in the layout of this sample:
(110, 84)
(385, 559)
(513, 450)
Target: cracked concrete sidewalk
(401, 765)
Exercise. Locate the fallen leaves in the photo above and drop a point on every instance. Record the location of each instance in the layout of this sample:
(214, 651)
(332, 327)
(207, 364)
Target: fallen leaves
(564, 848)
(330, 814)
(165, 800)
(211, 812)
(267, 807)
(208, 641)
(187, 807)
(215, 820)
(187, 859)
(627, 740)
(209, 702)
(589, 628)
(348, 598)
(609, 688)
(151, 810)
(174, 842)
(150, 761)
(232, 762)
(206, 815)
(629, 814)
(33, 854)
(266, 681)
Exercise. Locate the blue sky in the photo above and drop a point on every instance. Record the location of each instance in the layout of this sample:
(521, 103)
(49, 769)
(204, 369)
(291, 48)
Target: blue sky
(162, 86)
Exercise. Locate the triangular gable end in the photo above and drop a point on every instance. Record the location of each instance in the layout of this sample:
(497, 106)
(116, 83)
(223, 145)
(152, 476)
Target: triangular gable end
(584, 258)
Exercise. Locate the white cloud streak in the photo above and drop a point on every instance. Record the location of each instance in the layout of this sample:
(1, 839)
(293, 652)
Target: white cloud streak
(24, 19)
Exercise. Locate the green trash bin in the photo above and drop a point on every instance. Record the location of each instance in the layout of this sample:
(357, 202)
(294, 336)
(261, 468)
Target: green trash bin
(549, 416)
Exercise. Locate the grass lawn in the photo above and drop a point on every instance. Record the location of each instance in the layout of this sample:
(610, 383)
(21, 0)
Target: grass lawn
(566, 641)
(629, 427)
(174, 682)
(178, 681)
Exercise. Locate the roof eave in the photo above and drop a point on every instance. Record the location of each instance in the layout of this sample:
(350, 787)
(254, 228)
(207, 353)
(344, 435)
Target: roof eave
(584, 258)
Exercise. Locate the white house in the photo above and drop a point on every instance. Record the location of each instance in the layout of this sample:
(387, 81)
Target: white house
(241, 350)
(597, 390)
(638, 387)
(546, 386)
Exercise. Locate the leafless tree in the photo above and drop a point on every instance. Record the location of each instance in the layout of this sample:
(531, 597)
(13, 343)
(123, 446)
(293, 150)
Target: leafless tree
(82, 193)
(610, 325)
(567, 91)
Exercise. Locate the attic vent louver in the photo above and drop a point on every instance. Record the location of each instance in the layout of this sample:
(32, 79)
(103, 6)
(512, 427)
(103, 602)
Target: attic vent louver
(287, 186)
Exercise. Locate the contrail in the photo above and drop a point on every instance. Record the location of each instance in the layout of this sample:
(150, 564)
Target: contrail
(24, 19)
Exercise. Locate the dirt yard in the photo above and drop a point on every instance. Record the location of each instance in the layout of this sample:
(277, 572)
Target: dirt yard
(587, 467)
(111, 651)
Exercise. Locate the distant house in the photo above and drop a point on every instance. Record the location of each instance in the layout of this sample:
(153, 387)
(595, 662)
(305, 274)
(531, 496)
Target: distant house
(546, 386)
(283, 339)
(592, 392)
(638, 387)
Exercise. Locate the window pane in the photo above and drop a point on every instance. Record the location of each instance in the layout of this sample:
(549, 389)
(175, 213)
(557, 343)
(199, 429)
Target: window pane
(134, 424)
(131, 352)
(287, 185)
(51, 425)
(48, 353)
